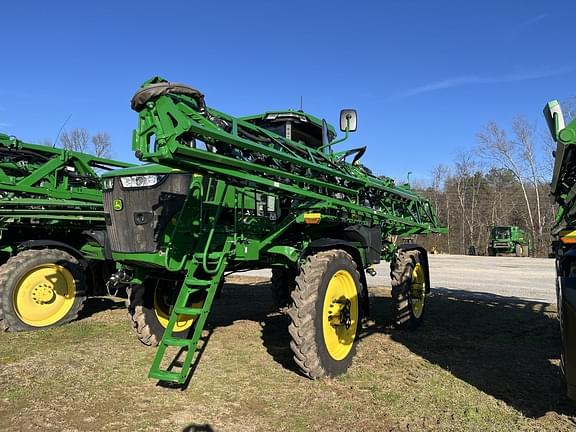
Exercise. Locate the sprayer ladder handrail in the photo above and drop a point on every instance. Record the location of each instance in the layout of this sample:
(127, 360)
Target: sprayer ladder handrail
(191, 285)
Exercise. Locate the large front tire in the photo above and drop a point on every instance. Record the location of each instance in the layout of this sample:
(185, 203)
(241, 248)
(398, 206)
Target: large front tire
(408, 289)
(149, 307)
(40, 289)
(325, 314)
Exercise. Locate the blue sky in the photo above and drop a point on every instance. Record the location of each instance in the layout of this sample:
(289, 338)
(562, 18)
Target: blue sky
(423, 75)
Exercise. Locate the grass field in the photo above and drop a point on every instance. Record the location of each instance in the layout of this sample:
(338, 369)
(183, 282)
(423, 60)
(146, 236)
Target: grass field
(487, 364)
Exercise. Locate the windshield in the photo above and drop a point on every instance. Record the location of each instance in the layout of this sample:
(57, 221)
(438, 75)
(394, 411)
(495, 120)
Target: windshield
(307, 133)
(501, 232)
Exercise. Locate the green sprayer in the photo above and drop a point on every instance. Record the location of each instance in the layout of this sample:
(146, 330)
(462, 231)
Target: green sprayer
(508, 241)
(222, 194)
(52, 233)
(563, 188)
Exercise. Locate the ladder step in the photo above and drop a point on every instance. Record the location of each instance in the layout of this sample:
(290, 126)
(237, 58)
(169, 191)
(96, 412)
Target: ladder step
(197, 283)
(176, 342)
(191, 285)
(164, 375)
(188, 310)
(211, 257)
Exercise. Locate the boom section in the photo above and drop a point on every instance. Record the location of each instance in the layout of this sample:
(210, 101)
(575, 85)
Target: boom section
(41, 183)
(178, 130)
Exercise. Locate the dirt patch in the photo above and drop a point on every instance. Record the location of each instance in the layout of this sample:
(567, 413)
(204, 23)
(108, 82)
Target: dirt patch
(484, 363)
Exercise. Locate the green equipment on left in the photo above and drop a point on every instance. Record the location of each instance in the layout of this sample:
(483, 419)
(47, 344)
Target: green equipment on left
(52, 243)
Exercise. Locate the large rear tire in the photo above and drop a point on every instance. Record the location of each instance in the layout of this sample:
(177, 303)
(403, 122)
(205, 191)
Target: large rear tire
(40, 289)
(408, 289)
(149, 308)
(325, 314)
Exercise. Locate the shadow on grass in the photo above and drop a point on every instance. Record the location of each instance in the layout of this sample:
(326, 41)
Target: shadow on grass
(242, 302)
(94, 305)
(198, 428)
(177, 362)
(504, 346)
(254, 302)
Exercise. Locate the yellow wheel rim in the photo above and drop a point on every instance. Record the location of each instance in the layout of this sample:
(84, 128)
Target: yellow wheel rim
(418, 290)
(340, 315)
(44, 295)
(162, 311)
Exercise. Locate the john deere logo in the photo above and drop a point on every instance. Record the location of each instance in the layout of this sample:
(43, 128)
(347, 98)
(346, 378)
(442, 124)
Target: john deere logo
(118, 204)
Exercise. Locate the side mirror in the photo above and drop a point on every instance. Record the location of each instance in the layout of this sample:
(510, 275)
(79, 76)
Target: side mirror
(348, 120)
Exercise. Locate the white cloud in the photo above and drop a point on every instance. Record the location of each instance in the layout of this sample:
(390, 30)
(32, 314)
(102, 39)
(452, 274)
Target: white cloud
(531, 21)
(475, 79)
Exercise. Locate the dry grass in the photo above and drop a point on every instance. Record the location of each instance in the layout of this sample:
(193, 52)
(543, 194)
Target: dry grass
(476, 365)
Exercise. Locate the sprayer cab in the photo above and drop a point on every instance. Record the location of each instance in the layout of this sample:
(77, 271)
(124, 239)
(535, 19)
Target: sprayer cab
(296, 126)
(304, 128)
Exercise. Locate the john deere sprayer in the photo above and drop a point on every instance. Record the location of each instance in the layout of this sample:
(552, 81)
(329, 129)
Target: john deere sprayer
(563, 189)
(509, 241)
(52, 233)
(223, 194)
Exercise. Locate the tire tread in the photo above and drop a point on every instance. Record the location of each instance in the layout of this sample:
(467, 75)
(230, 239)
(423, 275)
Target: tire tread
(9, 321)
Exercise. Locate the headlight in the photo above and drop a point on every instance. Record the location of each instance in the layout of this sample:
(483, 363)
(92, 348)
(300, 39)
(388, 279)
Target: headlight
(141, 181)
(108, 183)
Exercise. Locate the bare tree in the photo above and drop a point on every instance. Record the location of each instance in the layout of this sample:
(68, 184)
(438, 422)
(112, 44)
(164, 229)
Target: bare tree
(525, 134)
(76, 140)
(518, 156)
(102, 144)
(569, 108)
(440, 174)
(47, 142)
(548, 147)
(495, 146)
(468, 183)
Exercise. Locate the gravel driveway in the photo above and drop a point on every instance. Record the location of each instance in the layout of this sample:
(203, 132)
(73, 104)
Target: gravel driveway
(472, 276)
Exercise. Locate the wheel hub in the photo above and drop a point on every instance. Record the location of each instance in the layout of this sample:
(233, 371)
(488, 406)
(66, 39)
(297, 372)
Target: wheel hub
(43, 293)
(339, 313)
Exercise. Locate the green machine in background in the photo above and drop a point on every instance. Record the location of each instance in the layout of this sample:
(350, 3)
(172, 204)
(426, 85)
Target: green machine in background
(52, 233)
(223, 194)
(508, 240)
(563, 188)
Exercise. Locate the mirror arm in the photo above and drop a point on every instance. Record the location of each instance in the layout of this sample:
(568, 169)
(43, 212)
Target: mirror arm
(346, 134)
(334, 142)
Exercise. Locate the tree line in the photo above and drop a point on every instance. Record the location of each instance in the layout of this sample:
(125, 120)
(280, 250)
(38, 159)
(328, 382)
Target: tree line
(504, 180)
(79, 139)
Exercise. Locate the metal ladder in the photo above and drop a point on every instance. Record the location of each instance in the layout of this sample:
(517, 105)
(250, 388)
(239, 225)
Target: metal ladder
(190, 286)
